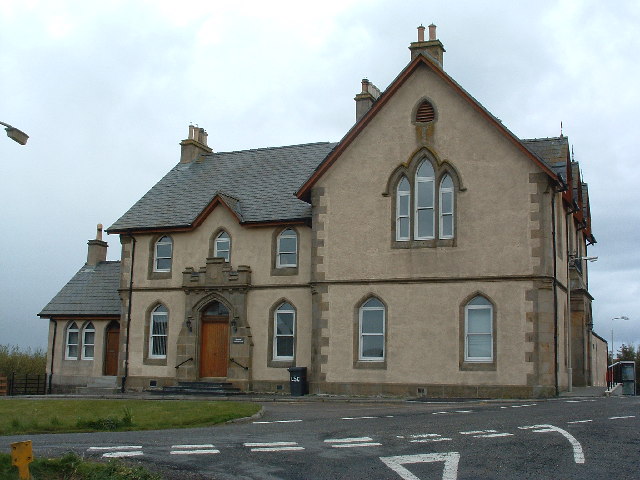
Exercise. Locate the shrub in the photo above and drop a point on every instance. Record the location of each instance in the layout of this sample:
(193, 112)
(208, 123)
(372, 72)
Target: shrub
(22, 362)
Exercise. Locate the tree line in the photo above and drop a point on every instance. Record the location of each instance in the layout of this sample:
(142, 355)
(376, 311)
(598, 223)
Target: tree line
(14, 359)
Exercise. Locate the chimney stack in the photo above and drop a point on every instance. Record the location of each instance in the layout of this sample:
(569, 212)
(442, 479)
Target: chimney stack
(432, 48)
(194, 147)
(97, 251)
(364, 100)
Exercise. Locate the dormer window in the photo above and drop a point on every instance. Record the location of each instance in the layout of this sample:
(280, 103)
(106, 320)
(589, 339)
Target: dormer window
(222, 246)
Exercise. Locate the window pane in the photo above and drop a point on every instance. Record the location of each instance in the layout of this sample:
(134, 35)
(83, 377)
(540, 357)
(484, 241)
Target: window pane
(284, 347)
(285, 324)
(72, 351)
(163, 250)
(73, 338)
(88, 351)
(372, 321)
(89, 337)
(447, 182)
(287, 244)
(425, 170)
(479, 320)
(480, 301)
(447, 226)
(403, 205)
(403, 228)
(373, 302)
(159, 346)
(425, 194)
(446, 202)
(223, 235)
(479, 346)
(372, 346)
(163, 264)
(425, 223)
(287, 259)
(159, 325)
(403, 186)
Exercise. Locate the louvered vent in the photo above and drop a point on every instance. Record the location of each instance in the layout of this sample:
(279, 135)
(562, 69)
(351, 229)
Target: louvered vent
(425, 113)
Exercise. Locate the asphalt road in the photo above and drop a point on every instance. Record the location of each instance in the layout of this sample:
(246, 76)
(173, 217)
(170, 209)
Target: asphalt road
(581, 438)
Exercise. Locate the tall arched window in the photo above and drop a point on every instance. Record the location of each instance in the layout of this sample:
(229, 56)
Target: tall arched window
(478, 323)
(446, 207)
(72, 342)
(88, 341)
(371, 333)
(284, 331)
(222, 246)
(424, 201)
(403, 209)
(162, 254)
(158, 332)
(287, 252)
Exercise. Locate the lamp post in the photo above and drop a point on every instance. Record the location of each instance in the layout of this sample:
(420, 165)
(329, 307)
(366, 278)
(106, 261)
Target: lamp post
(622, 317)
(15, 134)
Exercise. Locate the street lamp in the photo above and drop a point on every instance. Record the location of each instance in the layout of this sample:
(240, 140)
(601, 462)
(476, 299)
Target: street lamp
(15, 134)
(622, 317)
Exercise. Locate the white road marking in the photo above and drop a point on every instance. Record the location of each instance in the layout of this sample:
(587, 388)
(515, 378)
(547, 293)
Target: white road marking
(352, 442)
(122, 454)
(115, 447)
(450, 459)
(581, 421)
(626, 416)
(205, 445)
(277, 449)
(451, 411)
(578, 453)
(273, 446)
(486, 434)
(204, 449)
(356, 418)
(279, 421)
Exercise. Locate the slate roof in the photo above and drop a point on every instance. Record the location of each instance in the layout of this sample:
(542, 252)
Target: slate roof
(257, 185)
(91, 291)
(553, 151)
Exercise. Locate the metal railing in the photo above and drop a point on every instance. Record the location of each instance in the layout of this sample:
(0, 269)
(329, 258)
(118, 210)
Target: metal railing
(29, 384)
(622, 373)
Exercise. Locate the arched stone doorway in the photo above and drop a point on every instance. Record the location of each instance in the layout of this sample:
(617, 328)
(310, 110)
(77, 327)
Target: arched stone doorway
(111, 348)
(214, 340)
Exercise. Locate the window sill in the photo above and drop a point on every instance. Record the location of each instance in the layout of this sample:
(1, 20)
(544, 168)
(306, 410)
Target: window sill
(432, 243)
(281, 363)
(159, 275)
(155, 361)
(284, 271)
(370, 364)
(478, 366)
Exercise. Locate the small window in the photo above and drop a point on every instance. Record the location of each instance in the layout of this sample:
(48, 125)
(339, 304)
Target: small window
(446, 207)
(88, 341)
(284, 332)
(425, 180)
(222, 246)
(425, 113)
(479, 330)
(287, 253)
(372, 331)
(403, 208)
(72, 343)
(162, 255)
(158, 336)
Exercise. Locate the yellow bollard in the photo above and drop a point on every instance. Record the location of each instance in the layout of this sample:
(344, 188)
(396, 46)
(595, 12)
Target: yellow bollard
(21, 457)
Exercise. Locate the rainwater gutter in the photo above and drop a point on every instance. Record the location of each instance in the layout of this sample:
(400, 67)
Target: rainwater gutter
(126, 346)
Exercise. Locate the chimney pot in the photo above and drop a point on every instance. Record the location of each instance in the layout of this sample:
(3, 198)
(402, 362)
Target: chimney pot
(421, 33)
(365, 85)
(97, 251)
(432, 32)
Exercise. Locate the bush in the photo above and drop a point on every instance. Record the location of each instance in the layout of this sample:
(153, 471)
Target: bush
(22, 362)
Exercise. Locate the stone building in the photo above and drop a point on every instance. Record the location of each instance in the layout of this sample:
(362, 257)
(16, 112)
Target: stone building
(429, 252)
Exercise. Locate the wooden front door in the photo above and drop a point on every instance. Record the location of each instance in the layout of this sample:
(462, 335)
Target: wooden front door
(214, 346)
(111, 349)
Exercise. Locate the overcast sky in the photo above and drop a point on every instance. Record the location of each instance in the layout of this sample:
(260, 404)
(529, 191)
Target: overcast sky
(106, 91)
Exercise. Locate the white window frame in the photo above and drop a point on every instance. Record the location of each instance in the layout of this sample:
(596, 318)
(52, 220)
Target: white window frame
(218, 243)
(420, 183)
(490, 334)
(399, 195)
(383, 334)
(158, 311)
(288, 310)
(442, 214)
(88, 328)
(285, 234)
(156, 257)
(72, 328)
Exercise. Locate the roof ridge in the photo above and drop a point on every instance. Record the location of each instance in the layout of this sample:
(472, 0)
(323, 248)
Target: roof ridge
(541, 139)
(271, 148)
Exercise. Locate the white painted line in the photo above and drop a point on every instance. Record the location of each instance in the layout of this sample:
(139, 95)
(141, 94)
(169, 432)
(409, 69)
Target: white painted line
(115, 447)
(463, 411)
(206, 445)
(495, 435)
(431, 440)
(194, 452)
(626, 416)
(452, 411)
(277, 449)
(578, 453)
(486, 434)
(581, 421)
(359, 444)
(527, 405)
(346, 440)
(476, 432)
(450, 459)
(279, 421)
(121, 454)
(424, 435)
(356, 418)
(270, 444)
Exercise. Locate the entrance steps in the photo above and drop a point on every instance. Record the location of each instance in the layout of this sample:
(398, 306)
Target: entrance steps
(201, 388)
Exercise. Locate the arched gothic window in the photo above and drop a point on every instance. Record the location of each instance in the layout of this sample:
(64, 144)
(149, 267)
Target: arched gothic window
(72, 342)
(88, 341)
(284, 331)
(424, 201)
(222, 246)
(158, 332)
(371, 331)
(403, 210)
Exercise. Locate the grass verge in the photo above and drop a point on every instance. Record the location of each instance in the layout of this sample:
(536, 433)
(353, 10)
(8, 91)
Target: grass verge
(72, 467)
(19, 416)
